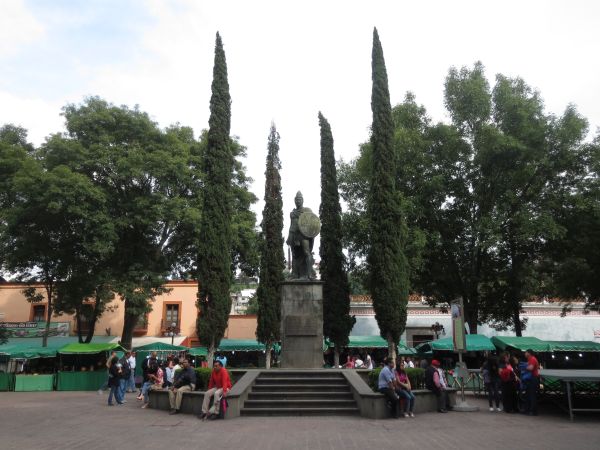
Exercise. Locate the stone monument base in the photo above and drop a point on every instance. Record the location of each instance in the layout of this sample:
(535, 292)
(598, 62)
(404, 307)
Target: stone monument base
(302, 324)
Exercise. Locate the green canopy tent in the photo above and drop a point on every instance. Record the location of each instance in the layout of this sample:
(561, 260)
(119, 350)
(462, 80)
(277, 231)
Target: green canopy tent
(521, 343)
(198, 351)
(475, 343)
(38, 362)
(163, 349)
(574, 346)
(377, 342)
(84, 380)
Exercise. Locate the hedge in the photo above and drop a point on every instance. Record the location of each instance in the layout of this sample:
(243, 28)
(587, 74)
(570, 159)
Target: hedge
(416, 377)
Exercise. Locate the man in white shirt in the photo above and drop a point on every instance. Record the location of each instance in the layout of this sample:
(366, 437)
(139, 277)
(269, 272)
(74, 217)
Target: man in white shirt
(131, 381)
(409, 363)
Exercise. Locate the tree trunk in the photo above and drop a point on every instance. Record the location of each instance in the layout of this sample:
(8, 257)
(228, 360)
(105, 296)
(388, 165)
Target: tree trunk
(517, 321)
(48, 316)
(210, 357)
(78, 322)
(92, 324)
(336, 357)
(391, 349)
(268, 355)
(129, 322)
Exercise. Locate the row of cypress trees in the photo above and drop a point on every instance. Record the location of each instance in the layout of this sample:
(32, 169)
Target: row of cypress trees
(387, 262)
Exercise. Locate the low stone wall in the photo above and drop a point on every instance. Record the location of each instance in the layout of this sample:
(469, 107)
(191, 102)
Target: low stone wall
(191, 403)
(373, 404)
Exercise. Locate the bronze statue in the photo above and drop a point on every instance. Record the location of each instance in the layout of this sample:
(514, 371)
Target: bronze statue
(304, 227)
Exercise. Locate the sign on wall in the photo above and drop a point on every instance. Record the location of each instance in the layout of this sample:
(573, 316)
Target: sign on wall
(35, 329)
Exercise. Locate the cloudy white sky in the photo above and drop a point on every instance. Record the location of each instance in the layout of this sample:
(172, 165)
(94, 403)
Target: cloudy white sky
(286, 61)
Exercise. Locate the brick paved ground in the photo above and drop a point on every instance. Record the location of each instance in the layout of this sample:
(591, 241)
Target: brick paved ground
(81, 420)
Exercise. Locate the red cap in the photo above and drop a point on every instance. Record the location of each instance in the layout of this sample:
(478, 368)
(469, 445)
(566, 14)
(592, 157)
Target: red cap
(435, 362)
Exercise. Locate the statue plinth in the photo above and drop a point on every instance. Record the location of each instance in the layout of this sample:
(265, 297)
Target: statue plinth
(302, 324)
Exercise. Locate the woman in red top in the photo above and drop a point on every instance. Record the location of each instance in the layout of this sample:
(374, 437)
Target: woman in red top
(508, 381)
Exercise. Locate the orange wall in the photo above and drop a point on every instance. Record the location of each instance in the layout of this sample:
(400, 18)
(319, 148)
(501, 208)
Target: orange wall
(16, 309)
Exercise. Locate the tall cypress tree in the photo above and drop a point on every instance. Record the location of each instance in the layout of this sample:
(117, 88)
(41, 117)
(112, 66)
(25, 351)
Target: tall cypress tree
(214, 248)
(272, 260)
(388, 266)
(337, 322)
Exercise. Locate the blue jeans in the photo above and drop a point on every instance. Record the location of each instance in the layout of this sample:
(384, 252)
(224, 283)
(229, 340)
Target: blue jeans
(122, 387)
(114, 390)
(131, 381)
(145, 389)
(409, 399)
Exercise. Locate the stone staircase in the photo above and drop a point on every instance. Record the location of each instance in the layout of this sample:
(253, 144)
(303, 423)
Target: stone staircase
(300, 393)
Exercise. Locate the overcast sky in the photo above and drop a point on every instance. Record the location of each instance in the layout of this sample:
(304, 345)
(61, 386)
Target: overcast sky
(287, 60)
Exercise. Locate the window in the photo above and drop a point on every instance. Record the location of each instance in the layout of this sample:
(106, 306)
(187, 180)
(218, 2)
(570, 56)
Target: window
(38, 313)
(171, 314)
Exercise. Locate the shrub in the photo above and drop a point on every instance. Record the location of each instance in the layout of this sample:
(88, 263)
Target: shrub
(416, 377)
(202, 377)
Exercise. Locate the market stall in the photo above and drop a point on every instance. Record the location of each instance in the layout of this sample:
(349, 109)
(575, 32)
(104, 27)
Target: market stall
(29, 366)
(162, 349)
(83, 366)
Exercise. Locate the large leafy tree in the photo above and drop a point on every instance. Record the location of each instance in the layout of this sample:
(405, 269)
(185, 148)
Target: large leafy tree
(337, 322)
(214, 249)
(272, 260)
(388, 267)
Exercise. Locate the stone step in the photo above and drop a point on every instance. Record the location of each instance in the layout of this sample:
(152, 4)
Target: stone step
(300, 411)
(300, 388)
(300, 403)
(300, 380)
(304, 395)
(303, 374)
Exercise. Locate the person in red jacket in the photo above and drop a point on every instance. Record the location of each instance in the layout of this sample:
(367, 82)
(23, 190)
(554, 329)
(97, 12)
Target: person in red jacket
(218, 386)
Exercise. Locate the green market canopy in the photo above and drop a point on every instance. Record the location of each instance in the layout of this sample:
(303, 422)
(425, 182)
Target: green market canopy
(475, 343)
(160, 347)
(574, 346)
(373, 342)
(234, 345)
(81, 349)
(31, 348)
(521, 343)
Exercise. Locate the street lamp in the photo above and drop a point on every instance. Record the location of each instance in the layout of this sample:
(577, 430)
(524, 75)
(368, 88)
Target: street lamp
(172, 331)
(438, 328)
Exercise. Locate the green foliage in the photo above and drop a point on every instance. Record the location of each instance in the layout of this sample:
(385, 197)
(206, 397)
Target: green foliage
(388, 270)
(337, 321)
(202, 378)
(272, 260)
(214, 245)
(415, 375)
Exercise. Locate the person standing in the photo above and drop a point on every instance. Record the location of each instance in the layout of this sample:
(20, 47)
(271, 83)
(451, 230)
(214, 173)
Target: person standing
(508, 383)
(114, 378)
(386, 385)
(185, 380)
(532, 383)
(218, 386)
(491, 379)
(169, 374)
(132, 364)
(409, 363)
(125, 375)
(369, 362)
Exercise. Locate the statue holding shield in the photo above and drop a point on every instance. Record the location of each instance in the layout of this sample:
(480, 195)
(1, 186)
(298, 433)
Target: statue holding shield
(304, 227)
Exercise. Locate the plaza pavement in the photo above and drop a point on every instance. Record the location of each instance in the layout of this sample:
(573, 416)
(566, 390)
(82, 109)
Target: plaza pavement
(82, 420)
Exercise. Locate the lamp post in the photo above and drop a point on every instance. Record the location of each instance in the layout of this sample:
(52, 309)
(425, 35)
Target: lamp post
(438, 328)
(172, 331)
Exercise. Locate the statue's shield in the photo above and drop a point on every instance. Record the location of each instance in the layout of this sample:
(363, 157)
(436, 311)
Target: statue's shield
(309, 224)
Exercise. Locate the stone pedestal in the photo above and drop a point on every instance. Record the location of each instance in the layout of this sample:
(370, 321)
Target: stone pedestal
(302, 324)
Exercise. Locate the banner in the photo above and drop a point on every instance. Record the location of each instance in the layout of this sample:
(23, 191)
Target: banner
(458, 326)
(35, 329)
